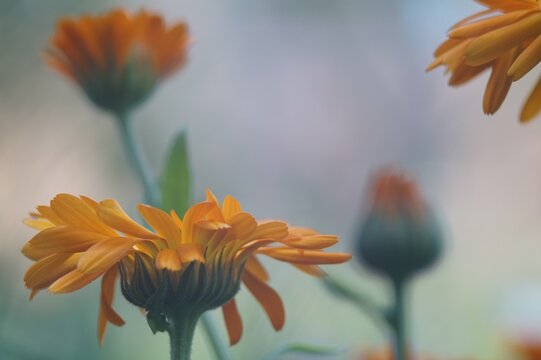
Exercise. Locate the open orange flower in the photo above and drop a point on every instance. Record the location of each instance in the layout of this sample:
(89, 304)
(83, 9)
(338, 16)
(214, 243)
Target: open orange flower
(505, 38)
(181, 269)
(117, 58)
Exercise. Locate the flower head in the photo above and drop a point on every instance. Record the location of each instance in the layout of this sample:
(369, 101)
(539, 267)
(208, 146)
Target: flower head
(505, 38)
(400, 235)
(117, 58)
(196, 263)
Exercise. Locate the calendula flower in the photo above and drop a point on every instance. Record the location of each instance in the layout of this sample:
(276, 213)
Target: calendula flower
(385, 353)
(505, 38)
(176, 272)
(529, 348)
(117, 58)
(400, 235)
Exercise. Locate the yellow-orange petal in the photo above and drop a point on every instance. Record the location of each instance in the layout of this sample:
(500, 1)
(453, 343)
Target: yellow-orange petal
(76, 212)
(60, 239)
(527, 60)
(312, 270)
(107, 313)
(100, 257)
(190, 252)
(168, 259)
(111, 213)
(233, 322)
(242, 225)
(231, 207)
(268, 298)
(489, 24)
(494, 43)
(216, 213)
(307, 257)
(38, 223)
(277, 230)
(499, 83)
(72, 281)
(532, 107)
(162, 223)
(254, 266)
(49, 269)
(194, 214)
(312, 242)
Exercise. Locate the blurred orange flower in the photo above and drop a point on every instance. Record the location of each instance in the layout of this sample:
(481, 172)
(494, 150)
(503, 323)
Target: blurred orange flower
(188, 265)
(528, 348)
(387, 354)
(117, 58)
(505, 38)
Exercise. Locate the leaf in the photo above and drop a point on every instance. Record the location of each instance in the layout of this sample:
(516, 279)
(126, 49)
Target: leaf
(304, 349)
(176, 181)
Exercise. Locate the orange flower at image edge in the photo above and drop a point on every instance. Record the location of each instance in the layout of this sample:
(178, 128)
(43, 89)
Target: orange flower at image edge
(195, 263)
(505, 39)
(117, 58)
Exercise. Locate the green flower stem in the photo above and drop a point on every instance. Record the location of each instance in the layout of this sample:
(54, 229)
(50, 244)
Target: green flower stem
(397, 320)
(137, 159)
(152, 196)
(181, 330)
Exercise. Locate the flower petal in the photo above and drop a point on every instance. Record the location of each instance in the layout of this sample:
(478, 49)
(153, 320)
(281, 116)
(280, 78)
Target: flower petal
(268, 298)
(113, 215)
(231, 207)
(162, 223)
(49, 269)
(72, 281)
(307, 257)
(194, 214)
(533, 104)
(168, 259)
(100, 257)
(107, 313)
(233, 321)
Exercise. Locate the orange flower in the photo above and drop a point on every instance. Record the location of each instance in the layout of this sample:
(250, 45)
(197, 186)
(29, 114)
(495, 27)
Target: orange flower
(528, 347)
(386, 354)
(185, 266)
(505, 38)
(117, 58)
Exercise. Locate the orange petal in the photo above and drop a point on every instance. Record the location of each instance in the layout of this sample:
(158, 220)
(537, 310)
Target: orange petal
(72, 281)
(527, 60)
(107, 313)
(194, 214)
(60, 239)
(485, 25)
(306, 257)
(312, 270)
(230, 207)
(112, 214)
(168, 259)
(105, 254)
(242, 225)
(254, 266)
(499, 83)
(49, 269)
(190, 252)
(533, 104)
(494, 43)
(268, 298)
(270, 230)
(312, 242)
(162, 223)
(233, 321)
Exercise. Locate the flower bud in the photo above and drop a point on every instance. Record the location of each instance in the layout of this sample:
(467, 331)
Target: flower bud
(400, 235)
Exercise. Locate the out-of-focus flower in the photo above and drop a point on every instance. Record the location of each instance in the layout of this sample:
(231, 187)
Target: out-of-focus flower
(400, 235)
(117, 58)
(505, 38)
(528, 348)
(187, 265)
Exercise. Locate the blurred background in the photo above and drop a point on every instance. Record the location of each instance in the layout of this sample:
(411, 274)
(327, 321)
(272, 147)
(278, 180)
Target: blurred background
(290, 105)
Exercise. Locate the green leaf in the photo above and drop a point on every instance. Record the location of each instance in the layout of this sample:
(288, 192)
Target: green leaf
(305, 349)
(176, 181)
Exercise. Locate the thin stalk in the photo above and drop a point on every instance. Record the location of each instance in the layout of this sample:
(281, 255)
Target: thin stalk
(398, 320)
(137, 159)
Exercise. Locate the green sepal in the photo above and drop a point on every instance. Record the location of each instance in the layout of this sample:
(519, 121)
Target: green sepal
(176, 181)
(156, 318)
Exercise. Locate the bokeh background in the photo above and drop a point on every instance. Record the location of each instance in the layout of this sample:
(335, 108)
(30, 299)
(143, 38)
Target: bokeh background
(290, 106)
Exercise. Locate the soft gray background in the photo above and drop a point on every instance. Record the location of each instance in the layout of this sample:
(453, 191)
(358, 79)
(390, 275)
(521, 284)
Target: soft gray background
(290, 105)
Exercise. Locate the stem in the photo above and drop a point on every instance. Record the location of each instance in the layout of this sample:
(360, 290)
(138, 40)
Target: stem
(137, 159)
(218, 346)
(397, 320)
(153, 197)
(181, 331)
